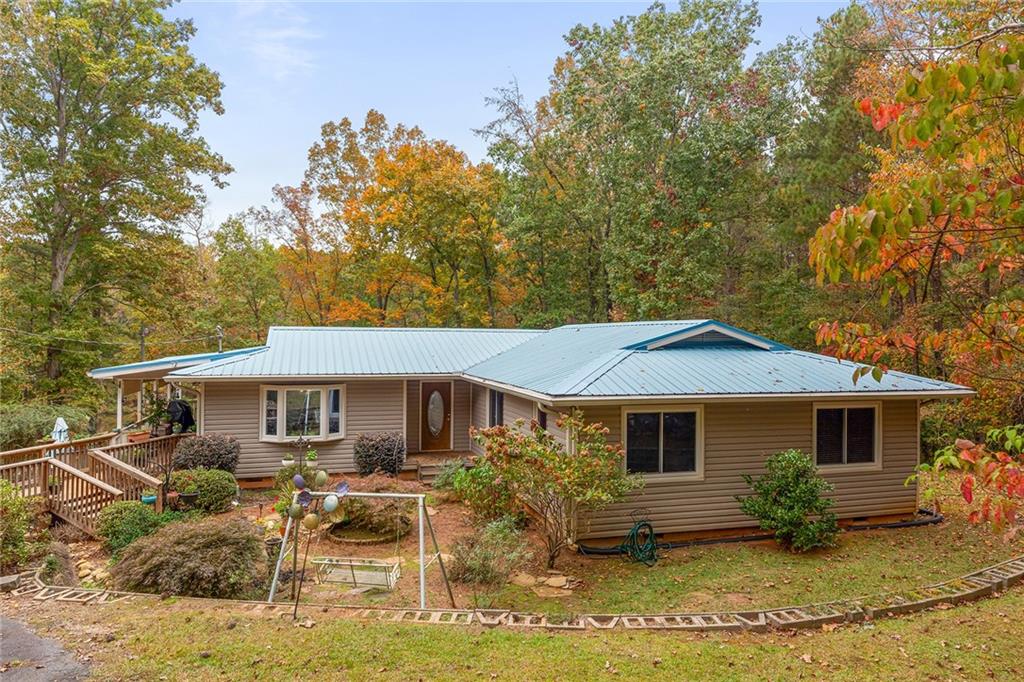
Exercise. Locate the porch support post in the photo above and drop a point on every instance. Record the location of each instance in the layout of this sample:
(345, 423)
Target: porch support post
(138, 401)
(120, 404)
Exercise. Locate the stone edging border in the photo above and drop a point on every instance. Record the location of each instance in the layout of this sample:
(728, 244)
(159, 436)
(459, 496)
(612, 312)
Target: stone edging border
(987, 581)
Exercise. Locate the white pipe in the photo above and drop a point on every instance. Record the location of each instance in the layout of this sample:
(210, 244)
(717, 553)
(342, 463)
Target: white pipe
(423, 566)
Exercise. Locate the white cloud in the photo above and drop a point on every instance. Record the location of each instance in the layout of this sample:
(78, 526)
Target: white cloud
(278, 36)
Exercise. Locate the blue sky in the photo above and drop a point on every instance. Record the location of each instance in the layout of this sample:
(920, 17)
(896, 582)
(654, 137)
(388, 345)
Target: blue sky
(288, 67)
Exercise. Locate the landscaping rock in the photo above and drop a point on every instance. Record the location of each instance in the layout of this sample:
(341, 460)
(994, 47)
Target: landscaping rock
(9, 582)
(523, 579)
(551, 592)
(557, 581)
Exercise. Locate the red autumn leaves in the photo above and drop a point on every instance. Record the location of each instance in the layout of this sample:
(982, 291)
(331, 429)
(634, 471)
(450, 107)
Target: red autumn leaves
(881, 114)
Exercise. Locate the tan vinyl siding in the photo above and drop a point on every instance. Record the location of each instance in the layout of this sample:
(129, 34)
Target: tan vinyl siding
(553, 428)
(233, 408)
(460, 416)
(517, 408)
(737, 439)
(412, 416)
(478, 413)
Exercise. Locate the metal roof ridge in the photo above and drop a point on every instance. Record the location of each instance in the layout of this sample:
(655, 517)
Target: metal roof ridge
(631, 323)
(500, 330)
(579, 380)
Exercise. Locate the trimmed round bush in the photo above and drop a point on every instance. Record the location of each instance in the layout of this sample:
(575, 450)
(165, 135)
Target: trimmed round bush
(789, 500)
(209, 558)
(124, 522)
(216, 488)
(208, 451)
(384, 452)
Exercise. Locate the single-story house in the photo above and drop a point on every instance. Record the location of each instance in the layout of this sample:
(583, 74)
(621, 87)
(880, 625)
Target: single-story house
(695, 404)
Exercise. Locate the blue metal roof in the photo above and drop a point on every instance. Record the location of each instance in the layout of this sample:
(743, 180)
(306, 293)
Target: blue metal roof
(591, 361)
(363, 351)
(682, 358)
(168, 363)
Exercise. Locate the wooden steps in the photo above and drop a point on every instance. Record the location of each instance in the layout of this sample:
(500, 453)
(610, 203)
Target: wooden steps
(428, 469)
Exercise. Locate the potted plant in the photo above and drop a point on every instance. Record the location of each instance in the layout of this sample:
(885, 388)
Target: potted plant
(287, 459)
(188, 491)
(311, 456)
(148, 496)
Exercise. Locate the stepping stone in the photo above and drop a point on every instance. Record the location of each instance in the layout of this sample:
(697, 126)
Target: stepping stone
(523, 580)
(551, 592)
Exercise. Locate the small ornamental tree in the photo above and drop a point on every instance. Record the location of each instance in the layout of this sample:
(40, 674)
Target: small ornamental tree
(993, 475)
(540, 472)
(789, 500)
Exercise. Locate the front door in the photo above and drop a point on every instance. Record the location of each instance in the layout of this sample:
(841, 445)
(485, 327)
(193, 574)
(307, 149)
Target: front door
(435, 415)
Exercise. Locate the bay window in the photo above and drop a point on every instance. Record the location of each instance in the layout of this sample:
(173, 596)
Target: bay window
(664, 441)
(292, 412)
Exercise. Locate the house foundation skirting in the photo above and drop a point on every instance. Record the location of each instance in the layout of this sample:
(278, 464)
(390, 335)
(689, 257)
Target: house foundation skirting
(991, 581)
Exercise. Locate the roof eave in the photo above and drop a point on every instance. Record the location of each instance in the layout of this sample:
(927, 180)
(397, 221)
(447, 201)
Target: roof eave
(753, 397)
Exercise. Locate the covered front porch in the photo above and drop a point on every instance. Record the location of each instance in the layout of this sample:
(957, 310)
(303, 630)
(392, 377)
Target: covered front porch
(143, 392)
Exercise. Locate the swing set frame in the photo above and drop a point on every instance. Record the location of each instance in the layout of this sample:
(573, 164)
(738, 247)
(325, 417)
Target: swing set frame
(423, 524)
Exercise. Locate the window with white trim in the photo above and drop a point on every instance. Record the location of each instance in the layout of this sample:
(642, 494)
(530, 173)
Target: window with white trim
(663, 441)
(845, 434)
(293, 412)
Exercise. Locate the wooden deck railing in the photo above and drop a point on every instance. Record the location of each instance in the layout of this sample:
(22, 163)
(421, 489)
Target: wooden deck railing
(72, 452)
(67, 492)
(77, 480)
(131, 481)
(151, 456)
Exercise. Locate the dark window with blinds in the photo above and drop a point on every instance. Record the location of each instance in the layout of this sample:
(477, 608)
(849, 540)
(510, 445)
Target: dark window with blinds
(496, 413)
(542, 419)
(661, 442)
(845, 435)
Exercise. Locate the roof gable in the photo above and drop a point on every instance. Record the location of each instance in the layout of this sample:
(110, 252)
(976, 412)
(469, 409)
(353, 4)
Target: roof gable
(708, 332)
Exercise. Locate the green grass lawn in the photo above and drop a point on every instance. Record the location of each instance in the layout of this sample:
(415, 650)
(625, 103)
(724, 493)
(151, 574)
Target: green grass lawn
(761, 575)
(741, 576)
(177, 641)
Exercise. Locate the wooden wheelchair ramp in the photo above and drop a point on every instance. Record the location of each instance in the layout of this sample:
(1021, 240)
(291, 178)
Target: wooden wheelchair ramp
(77, 485)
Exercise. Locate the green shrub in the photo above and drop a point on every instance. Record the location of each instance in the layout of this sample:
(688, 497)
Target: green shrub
(22, 425)
(789, 500)
(15, 516)
(209, 558)
(124, 522)
(526, 465)
(208, 451)
(216, 488)
(490, 555)
(487, 496)
(384, 452)
(445, 479)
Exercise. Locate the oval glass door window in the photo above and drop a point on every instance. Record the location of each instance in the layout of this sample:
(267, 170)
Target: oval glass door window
(435, 413)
